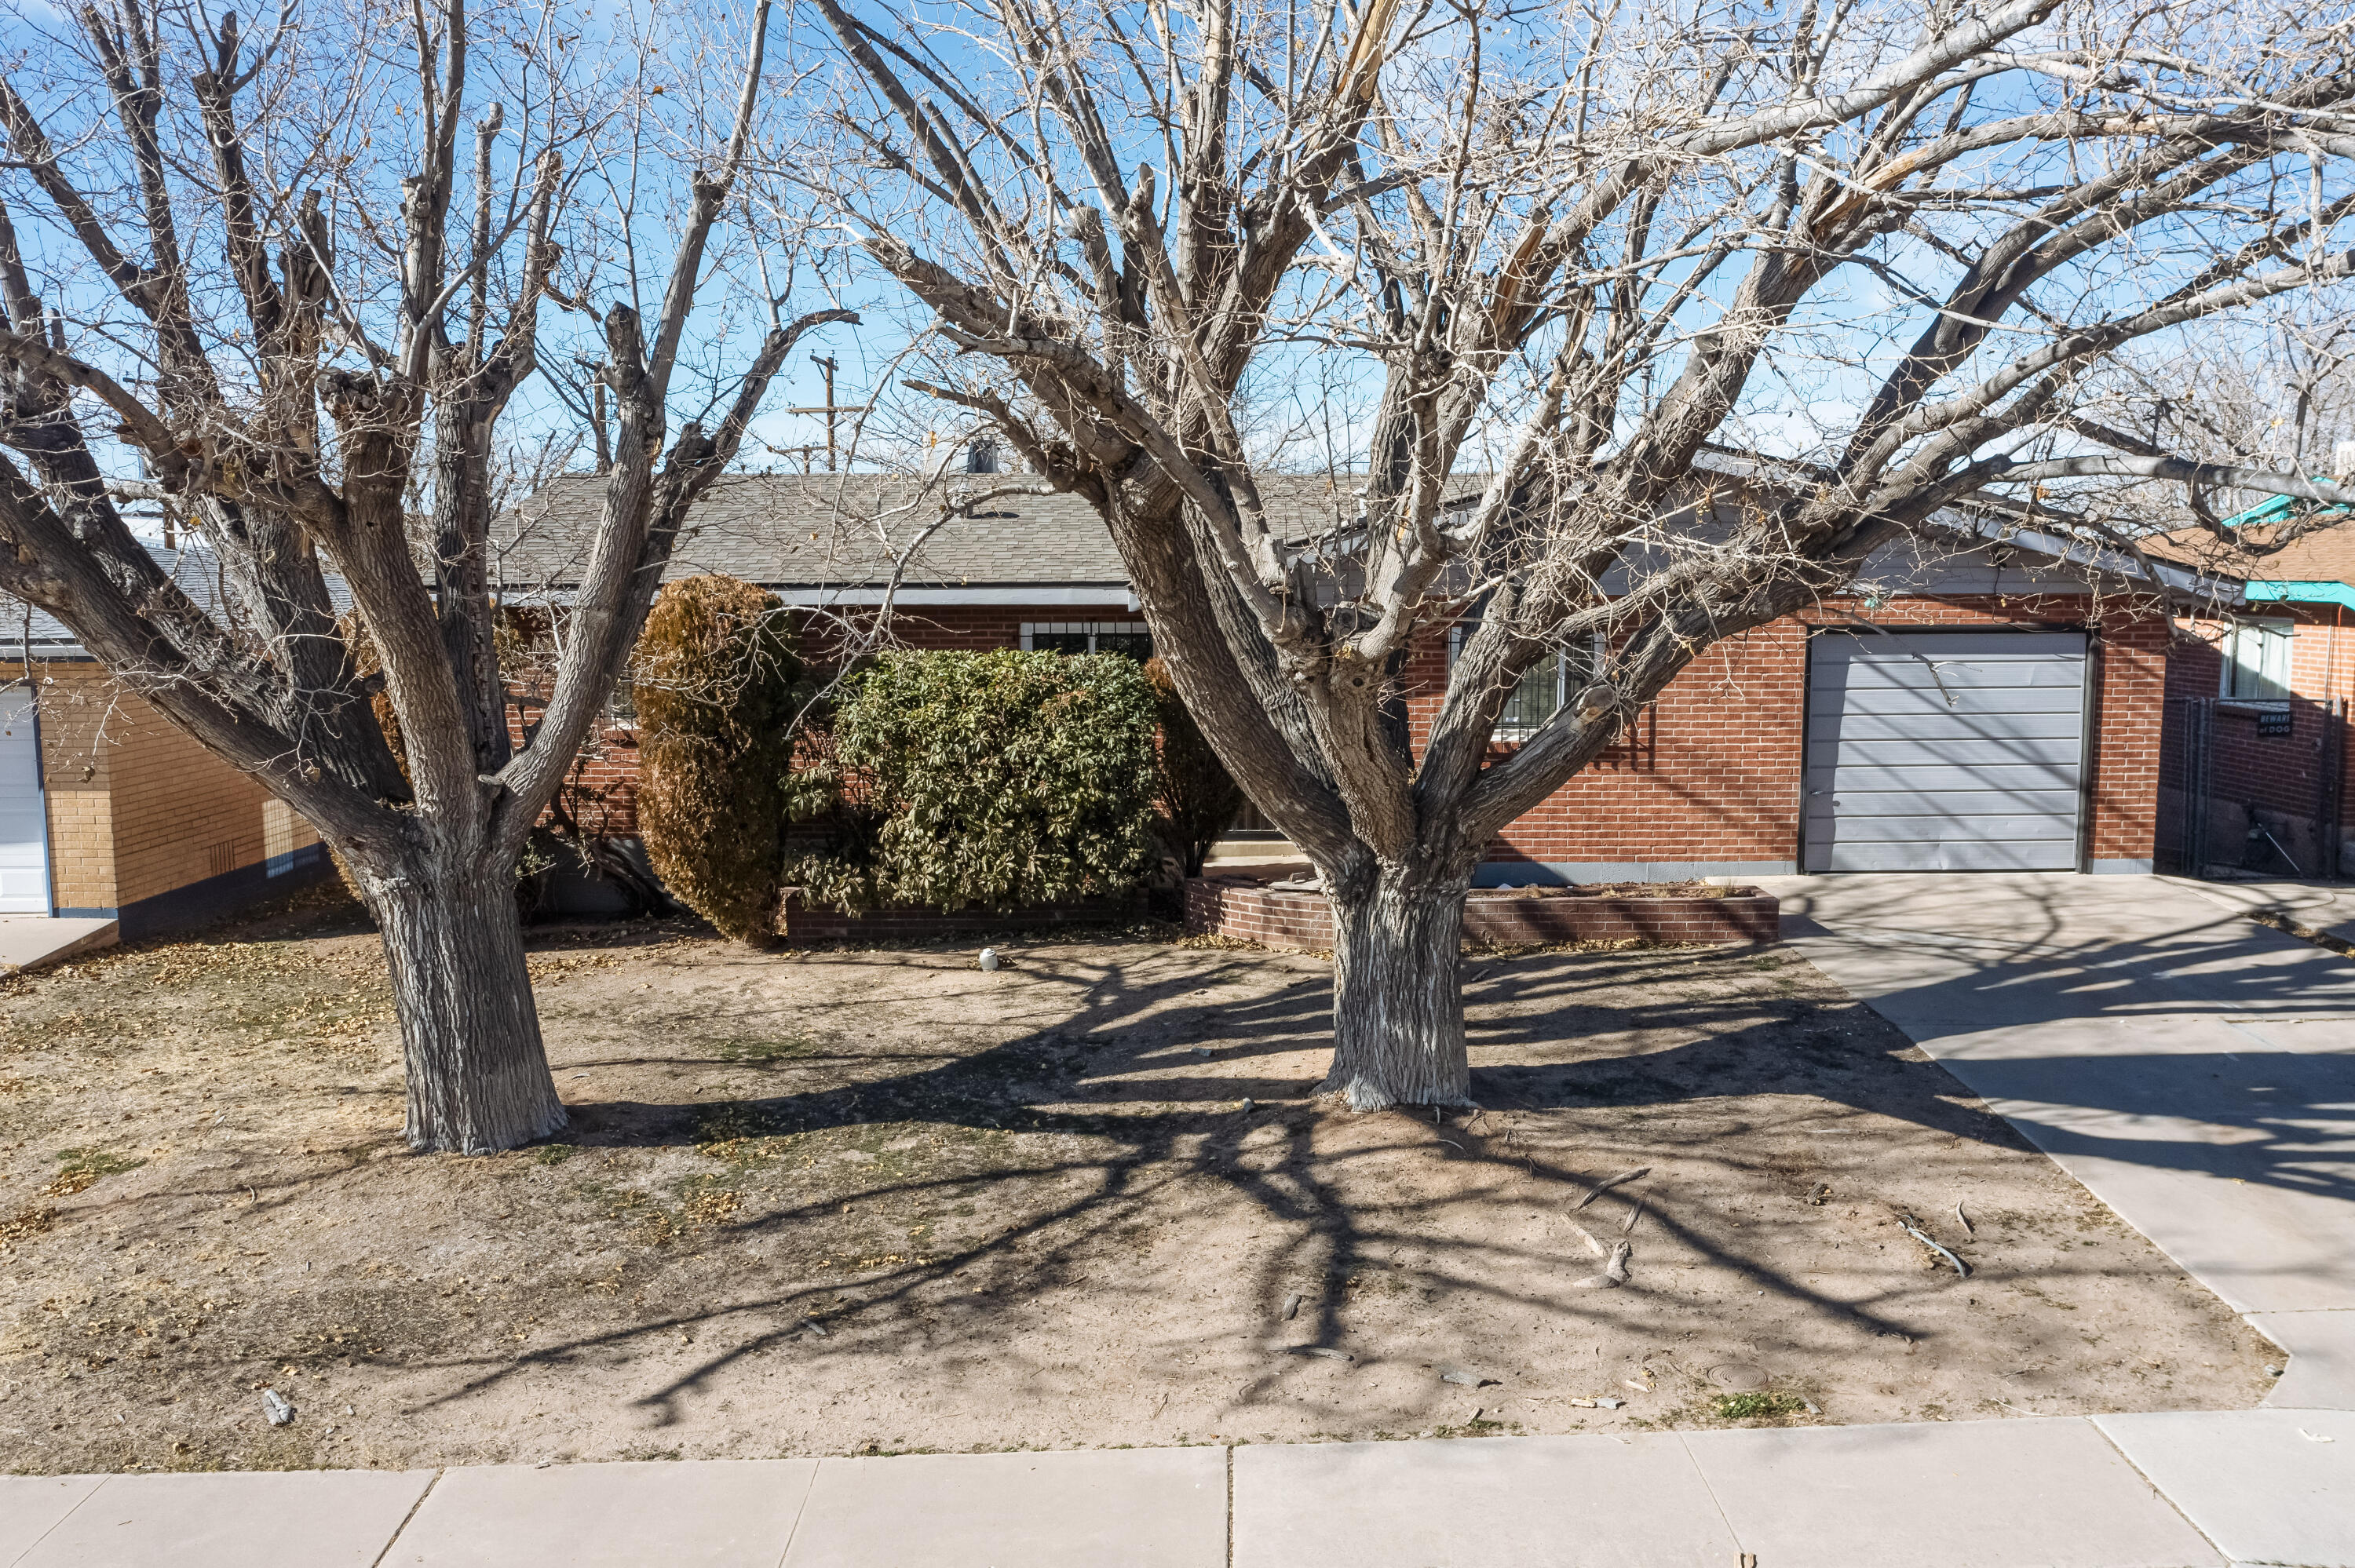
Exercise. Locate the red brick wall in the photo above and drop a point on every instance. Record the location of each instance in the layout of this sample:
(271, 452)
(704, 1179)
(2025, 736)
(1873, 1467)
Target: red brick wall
(1711, 771)
(1247, 911)
(2280, 775)
(1708, 772)
(2129, 711)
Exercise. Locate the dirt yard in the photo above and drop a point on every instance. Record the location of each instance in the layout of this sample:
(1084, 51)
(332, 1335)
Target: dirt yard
(880, 1201)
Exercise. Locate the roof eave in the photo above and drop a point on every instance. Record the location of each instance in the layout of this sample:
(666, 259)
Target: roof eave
(2283, 591)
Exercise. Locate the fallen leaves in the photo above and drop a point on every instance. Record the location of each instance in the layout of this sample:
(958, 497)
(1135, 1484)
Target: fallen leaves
(29, 1223)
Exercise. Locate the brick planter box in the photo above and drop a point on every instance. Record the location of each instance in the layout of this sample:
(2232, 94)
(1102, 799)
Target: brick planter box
(1250, 911)
(803, 925)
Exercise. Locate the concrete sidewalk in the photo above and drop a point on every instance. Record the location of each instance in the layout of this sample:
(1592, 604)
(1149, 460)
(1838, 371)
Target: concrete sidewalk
(2195, 1070)
(2138, 1491)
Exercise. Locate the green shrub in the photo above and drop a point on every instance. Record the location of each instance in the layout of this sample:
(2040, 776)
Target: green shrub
(1199, 801)
(1751, 1407)
(714, 685)
(999, 779)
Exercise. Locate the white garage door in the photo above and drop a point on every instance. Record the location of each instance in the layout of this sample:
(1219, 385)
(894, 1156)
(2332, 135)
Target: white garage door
(24, 843)
(1945, 751)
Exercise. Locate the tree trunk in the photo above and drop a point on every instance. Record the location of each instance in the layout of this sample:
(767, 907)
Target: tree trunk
(478, 1075)
(1398, 1005)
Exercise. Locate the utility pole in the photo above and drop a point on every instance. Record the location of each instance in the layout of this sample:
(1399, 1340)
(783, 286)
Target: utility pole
(830, 409)
(827, 365)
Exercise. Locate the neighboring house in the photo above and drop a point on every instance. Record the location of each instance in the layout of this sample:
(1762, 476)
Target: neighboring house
(2256, 745)
(1995, 708)
(109, 811)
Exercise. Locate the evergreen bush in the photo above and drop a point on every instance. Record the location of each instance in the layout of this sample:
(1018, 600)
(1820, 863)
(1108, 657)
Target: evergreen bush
(1000, 779)
(714, 681)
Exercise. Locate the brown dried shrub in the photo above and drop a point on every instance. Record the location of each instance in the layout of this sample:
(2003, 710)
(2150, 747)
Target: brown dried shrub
(714, 682)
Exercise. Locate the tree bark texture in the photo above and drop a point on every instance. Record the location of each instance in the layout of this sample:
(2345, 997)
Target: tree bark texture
(1397, 1008)
(478, 1073)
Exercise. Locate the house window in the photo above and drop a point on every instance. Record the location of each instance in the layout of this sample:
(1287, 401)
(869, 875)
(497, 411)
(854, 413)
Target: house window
(1540, 693)
(1129, 636)
(2256, 662)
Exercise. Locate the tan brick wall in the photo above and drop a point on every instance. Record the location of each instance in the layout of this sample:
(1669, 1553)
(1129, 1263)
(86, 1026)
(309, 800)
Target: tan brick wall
(181, 814)
(135, 806)
(76, 766)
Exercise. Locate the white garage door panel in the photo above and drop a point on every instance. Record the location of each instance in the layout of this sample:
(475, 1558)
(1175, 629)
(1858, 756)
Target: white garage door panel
(2034, 856)
(2043, 828)
(24, 850)
(1859, 803)
(1869, 670)
(1944, 752)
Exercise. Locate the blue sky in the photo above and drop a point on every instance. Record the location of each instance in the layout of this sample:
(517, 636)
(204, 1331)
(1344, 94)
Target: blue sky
(693, 55)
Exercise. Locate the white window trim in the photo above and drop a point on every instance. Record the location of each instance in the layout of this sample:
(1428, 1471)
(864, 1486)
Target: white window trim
(1092, 629)
(2267, 627)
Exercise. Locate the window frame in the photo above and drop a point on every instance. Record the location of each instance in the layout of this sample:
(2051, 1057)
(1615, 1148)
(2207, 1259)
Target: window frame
(2275, 634)
(1507, 734)
(1091, 630)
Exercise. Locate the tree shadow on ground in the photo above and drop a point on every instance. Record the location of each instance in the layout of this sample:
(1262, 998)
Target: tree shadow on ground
(1040, 1190)
(1131, 1089)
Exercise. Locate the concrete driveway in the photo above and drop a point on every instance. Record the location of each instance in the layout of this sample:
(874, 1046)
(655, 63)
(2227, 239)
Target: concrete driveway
(33, 941)
(2193, 1069)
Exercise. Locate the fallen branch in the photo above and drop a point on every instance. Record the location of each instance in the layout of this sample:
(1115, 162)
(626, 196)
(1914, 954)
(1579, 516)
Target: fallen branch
(1615, 1273)
(1906, 1222)
(1608, 1182)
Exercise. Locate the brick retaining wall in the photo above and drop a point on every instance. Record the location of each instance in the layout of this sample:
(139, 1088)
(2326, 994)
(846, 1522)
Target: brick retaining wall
(803, 925)
(1247, 910)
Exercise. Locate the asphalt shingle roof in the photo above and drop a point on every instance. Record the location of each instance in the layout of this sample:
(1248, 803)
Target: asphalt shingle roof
(193, 569)
(2325, 555)
(832, 530)
(821, 530)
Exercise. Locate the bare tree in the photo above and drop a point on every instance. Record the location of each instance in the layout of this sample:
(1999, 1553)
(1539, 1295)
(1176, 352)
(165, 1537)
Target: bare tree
(261, 273)
(1563, 252)
(2272, 392)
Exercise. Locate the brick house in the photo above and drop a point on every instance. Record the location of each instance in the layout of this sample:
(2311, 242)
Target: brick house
(1993, 704)
(108, 810)
(2257, 749)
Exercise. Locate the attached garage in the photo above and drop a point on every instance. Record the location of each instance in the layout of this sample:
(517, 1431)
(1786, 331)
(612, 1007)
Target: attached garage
(118, 816)
(24, 824)
(1945, 751)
